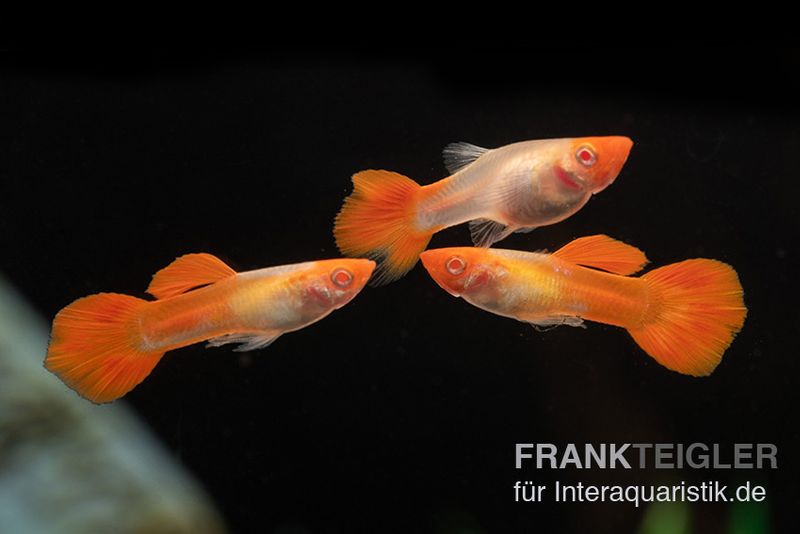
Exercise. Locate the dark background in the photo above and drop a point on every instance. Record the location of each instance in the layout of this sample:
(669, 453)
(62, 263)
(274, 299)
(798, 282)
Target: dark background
(399, 413)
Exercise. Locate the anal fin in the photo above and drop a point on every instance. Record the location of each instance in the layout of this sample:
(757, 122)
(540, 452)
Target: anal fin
(248, 340)
(543, 324)
(485, 232)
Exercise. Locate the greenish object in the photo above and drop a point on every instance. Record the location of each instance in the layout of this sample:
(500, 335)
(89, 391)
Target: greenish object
(68, 466)
(749, 518)
(666, 518)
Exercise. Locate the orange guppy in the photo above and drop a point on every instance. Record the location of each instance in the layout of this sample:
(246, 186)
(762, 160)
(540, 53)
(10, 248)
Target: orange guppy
(103, 345)
(684, 315)
(390, 218)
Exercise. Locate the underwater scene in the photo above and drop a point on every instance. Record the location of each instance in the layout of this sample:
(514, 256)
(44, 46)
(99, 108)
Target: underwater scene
(359, 290)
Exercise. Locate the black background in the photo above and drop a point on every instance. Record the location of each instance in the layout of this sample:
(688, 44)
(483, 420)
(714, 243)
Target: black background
(399, 413)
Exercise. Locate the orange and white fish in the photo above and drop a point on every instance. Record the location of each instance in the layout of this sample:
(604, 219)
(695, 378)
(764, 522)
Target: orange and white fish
(516, 188)
(103, 345)
(684, 315)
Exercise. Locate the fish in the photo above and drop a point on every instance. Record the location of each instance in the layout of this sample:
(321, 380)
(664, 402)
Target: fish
(104, 345)
(390, 218)
(684, 315)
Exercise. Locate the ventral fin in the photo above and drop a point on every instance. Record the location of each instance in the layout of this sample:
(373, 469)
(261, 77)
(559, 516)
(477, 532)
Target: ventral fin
(459, 155)
(484, 232)
(602, 252)
(248, 340)
(543, 324)
(186, 273)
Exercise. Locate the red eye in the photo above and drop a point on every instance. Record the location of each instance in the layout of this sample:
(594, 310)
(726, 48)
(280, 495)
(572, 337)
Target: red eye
(455, 265)
(341, 277)
(586, 156)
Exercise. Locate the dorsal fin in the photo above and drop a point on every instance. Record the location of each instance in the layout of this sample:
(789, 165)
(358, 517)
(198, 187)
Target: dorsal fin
(603, 252)
(186, 273)
(459, 155)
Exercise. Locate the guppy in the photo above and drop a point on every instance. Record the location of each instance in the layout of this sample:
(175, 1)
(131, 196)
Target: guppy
(103, 345)
(684, 315)
(515, 188)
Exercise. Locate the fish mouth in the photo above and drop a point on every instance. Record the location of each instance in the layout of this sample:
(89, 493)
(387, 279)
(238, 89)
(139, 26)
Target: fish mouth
(447, 288)
(618, 148)
(364, 269)
(604, 186)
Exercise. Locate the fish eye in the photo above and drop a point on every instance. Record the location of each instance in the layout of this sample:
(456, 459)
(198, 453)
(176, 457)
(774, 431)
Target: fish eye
(341, 278)
(585, 155)
(455, 265)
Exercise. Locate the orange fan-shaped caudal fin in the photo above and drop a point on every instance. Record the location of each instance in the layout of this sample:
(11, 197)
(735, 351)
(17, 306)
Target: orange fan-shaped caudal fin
(696, 309)
(95, 350)
(377, 221)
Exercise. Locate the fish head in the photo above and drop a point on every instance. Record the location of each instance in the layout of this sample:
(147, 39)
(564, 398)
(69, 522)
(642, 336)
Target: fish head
(334, 283)
(593, 163)
(463, 271)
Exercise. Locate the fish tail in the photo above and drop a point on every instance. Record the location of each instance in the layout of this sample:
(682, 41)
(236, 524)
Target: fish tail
(377, 221)
(696, 309)
(95, 347)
